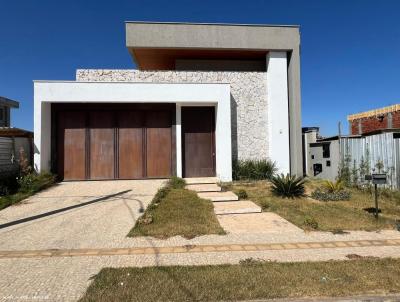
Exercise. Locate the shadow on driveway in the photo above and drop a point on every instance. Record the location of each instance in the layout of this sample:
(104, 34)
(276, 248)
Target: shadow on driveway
(19, 221)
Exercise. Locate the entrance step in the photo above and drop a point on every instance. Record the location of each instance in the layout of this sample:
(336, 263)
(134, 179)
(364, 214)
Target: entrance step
(204, 188)
(236, 207)
(219, 196)
(201, 180)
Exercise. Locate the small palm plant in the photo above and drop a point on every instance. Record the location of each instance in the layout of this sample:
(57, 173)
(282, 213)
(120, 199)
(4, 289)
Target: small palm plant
(288, 186)
(333, 186)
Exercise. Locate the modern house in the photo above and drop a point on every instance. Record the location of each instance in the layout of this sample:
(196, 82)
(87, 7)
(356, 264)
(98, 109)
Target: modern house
(320, 155)
(202, 95)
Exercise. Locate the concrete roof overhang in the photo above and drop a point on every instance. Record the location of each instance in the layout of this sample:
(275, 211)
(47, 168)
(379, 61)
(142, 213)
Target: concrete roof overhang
(157, 45)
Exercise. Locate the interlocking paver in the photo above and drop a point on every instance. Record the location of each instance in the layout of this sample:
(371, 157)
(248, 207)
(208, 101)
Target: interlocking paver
(56, 256)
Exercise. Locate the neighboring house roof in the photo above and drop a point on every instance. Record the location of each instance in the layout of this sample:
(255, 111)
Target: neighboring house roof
(309, 129)
(372, 113)
(380, 131)
(14, 132)
(9, 103)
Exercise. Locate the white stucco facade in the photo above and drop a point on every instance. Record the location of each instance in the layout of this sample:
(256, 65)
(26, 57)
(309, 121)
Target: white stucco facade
(252, 108)
(217, 95)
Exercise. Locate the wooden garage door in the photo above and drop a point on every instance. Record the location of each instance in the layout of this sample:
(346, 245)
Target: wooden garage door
(114, 144)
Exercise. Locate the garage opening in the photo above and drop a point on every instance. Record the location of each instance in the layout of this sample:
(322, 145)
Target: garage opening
(113, 141)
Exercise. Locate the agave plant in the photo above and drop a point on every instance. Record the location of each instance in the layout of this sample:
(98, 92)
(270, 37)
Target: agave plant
(333, 186)
(288, 186)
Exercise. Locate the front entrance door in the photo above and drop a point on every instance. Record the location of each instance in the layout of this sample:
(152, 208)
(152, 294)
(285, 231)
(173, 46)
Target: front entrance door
(198, 142)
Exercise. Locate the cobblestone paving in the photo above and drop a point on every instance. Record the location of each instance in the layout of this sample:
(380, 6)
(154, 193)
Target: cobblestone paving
(116, 206)
(66, 278)
(196, 249)
(54, 257)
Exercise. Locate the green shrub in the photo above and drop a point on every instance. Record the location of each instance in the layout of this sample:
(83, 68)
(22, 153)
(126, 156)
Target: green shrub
(322, 195)
(32, 182)
(288, 186)
(253, 169)
(26, 186)
(176, 183)
(242, 194)
(311, 222)
(9, 184)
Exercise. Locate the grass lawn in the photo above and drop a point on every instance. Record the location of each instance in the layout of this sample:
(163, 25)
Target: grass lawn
(246, 281)
(180, 212)
(38, 182)
(331, 215)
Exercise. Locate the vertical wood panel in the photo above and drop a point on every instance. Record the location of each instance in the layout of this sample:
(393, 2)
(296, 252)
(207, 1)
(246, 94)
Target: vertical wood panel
(72, 148)
(102, 145)
(130, 150)
(158, 143)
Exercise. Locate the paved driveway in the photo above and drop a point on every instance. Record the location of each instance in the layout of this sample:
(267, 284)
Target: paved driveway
(76, 215)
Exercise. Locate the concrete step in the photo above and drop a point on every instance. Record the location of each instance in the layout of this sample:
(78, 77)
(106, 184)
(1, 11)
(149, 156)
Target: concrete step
(219, 196)
(201, 180)
(236, 207)
(204, 188)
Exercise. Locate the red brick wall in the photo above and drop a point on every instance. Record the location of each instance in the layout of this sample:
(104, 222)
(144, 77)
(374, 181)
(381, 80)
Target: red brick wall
(369, 124)
(373, 123)
(396, 119)
(354, 127)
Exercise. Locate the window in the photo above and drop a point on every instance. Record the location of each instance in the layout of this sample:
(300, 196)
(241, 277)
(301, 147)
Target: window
(326, 152)
(328, 163)
(317, 169)
(312, 156)
(2, 115)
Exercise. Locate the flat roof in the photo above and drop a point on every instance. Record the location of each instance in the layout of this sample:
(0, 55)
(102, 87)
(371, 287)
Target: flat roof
(217, 23)
(158, 45)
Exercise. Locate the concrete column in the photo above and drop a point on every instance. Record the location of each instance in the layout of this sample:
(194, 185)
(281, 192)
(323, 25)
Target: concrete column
(278, 111)
(178, 139)
(42, 138)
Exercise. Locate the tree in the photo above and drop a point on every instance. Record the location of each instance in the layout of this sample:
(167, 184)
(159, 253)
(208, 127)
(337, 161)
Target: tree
(354, 174)
(379, 165)
(344, 168)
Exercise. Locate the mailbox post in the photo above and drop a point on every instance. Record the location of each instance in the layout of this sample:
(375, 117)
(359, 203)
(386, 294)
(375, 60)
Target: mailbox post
(378, 179)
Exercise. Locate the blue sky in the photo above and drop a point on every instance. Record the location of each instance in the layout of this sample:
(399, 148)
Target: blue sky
(350, 53)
